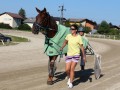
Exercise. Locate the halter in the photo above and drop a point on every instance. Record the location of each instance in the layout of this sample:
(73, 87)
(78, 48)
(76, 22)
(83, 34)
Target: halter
(38, 26)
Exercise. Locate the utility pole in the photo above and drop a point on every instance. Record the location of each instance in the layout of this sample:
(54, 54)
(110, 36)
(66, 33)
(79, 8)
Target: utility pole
(61, 9)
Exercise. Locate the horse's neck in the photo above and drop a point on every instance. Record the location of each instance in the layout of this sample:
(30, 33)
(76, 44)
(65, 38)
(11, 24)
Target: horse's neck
(54, 28)
(53, 24)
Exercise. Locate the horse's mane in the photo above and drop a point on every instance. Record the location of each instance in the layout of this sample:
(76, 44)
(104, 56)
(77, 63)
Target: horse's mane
(53, 23)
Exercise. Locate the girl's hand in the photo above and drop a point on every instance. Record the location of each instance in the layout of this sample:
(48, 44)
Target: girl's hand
(84, 58)
(61, 49)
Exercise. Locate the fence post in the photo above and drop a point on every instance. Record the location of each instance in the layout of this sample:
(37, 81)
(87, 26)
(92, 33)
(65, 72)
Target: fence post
(3, 42)
(104, 36)
(114, 37)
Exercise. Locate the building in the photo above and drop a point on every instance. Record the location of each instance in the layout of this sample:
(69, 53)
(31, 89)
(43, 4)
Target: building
(88, 23)
(83, 22)
(75, 21)
(59, 20)
(30, 21)
(115, 27)
(14, 20)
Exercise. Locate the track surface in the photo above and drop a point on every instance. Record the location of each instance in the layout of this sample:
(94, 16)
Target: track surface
(24, 66)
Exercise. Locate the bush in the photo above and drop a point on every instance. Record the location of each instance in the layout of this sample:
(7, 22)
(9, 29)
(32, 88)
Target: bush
(24, 27)
(6, 26)
(113, 32)
(87, 29)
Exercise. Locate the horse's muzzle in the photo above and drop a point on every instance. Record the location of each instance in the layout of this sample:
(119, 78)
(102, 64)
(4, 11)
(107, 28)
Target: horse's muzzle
(35, 29)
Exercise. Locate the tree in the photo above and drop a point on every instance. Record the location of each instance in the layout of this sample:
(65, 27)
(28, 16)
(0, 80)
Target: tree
(67, 23)
(114, 32)
(22, 13)
(87, 29)
(103, 28)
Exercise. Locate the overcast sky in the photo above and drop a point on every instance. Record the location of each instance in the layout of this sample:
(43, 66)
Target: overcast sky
(96, 10)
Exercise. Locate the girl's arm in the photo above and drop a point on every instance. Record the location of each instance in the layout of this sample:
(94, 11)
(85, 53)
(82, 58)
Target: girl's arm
(64, 44)
(83, 52)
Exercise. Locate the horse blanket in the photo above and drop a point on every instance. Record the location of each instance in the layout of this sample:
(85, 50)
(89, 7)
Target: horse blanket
(52, 45)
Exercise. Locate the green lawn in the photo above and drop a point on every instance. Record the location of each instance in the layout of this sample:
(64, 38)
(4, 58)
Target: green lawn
(15, 40)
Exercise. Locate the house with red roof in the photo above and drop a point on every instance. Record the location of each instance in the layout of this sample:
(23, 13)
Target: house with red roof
(13, 19)
(84, 22)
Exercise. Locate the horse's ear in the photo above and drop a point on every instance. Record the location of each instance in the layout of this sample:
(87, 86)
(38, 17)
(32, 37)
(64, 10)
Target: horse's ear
(45, 10)
(37, 10)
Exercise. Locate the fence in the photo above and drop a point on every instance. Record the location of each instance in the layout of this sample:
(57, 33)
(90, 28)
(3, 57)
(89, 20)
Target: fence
(2, 42)
(114, 37)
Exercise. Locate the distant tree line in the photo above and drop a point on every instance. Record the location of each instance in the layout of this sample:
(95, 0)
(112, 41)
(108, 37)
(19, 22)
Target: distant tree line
(105, 28)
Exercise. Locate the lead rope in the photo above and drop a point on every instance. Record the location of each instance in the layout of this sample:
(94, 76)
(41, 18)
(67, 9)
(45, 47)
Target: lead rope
(61, 52)
(61, 56)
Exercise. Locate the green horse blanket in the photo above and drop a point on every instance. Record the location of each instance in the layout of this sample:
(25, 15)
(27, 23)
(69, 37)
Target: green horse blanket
(52, 45)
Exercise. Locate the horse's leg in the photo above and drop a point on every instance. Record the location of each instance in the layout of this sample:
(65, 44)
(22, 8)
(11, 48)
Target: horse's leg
(52, 65)
(51, 69)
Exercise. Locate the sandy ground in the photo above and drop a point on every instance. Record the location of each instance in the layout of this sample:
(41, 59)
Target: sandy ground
(24, 66)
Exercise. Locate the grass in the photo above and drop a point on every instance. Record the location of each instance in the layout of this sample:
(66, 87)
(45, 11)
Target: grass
(18, 39)
(15, 40)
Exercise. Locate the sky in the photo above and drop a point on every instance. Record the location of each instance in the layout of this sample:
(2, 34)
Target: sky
(95, 10)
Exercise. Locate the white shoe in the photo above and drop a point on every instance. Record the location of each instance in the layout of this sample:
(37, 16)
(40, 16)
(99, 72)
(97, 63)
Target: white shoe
(68, 81)
(67, 77)
(70, 85)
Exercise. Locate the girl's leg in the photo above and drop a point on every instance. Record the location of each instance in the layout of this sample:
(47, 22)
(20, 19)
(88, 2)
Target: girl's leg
(72, 68)
(67, 68)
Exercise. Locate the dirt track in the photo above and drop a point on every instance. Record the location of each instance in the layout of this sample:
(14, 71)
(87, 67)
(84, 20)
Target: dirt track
(24, 66)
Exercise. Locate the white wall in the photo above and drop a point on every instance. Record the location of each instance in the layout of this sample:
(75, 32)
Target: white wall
(30, 24)
(7, 19)
(83, 23)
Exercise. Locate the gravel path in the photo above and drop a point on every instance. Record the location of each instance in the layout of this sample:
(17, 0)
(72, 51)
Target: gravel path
(24, 66)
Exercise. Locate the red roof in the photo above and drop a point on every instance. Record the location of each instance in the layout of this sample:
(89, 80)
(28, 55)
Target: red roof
(14, 15)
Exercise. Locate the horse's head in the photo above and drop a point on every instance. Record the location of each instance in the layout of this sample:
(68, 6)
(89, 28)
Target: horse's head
(44, 23)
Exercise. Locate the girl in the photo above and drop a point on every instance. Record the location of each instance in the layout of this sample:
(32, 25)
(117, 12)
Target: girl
(74, 42)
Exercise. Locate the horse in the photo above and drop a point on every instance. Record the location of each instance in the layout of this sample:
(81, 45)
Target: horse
(54, 38)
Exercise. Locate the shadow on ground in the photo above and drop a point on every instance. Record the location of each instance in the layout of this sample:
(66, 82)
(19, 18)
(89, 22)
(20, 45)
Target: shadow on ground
(59, 76)
(80, 76)
(83, 76)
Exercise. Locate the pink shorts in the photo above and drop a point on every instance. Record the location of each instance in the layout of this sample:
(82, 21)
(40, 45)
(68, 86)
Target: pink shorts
(72, 58)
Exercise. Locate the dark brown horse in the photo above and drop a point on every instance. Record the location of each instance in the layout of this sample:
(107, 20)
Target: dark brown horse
(47, 25)
(45, 21)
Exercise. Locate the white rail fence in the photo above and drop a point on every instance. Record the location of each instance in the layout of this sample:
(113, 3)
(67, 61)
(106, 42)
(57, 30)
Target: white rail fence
(2, 42)
(114, 37)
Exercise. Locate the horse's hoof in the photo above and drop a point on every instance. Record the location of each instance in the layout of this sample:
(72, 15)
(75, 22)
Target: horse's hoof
(49, 82)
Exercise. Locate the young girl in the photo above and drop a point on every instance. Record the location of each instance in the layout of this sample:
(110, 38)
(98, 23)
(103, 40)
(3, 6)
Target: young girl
(75, 43)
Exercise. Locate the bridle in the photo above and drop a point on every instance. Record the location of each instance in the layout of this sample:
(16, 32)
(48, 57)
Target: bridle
(40, 27)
